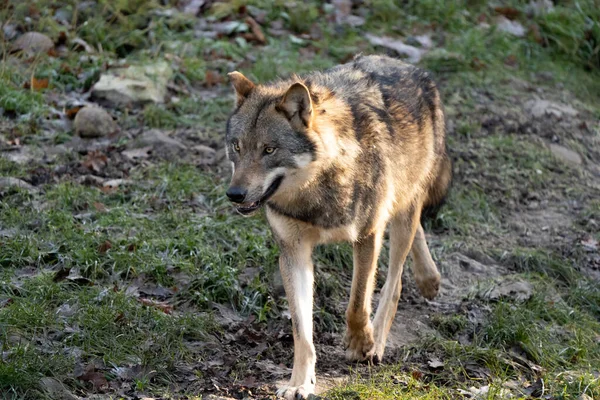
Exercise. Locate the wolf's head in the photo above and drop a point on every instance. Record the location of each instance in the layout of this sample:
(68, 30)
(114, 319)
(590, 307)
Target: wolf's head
(269, 140)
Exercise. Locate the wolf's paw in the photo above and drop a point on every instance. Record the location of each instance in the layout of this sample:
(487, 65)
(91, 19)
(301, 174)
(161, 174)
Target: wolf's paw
(296, 392)
(429, 286)
(360, 346)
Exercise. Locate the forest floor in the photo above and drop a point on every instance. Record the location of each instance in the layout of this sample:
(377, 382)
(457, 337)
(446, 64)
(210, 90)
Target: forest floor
(126, 274)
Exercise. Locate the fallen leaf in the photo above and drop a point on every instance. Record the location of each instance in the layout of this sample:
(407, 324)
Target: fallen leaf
(435, 363)
(508, 12)
(75, 277)
(95, 160)
(105, 246)
(162, 306)
(212, 78)
(80, 44)
(95, 378)
(100, 207)
(14, 142)
(256, 30)
(72, 112)
(61, 274)
(417, 375)
(37, 83)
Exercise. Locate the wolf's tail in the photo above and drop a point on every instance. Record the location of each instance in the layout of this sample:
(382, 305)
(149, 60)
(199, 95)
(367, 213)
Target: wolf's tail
(438, 190)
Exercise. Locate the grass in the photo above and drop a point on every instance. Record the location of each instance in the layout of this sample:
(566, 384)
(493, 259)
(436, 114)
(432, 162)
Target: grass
(71, 255)
(547, 338)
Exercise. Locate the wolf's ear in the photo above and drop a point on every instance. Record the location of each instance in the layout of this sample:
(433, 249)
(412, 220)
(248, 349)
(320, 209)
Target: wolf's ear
(297, 106)
(242, 85)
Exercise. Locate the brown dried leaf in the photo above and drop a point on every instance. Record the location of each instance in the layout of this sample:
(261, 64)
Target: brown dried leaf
(212, 78)
(509, 12)
(100, 207)
(162, 306)
(37, 83)
(105, 246)
(417, 375)
(256, 30)
(95, 160)
(95, 378)
(14, 142)
(72, 112)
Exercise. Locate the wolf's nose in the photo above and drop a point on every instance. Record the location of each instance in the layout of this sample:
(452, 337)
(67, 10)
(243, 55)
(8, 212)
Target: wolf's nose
(236, 194)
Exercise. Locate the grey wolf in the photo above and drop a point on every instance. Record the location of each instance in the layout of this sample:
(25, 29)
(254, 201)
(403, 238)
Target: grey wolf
(339, 156)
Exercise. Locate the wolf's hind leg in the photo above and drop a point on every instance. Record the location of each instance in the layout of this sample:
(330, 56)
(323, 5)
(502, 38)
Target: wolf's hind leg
(425, 271)
(402, 232)
(359, 333)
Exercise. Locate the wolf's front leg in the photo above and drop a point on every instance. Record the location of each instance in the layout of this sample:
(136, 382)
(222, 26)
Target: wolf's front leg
(297, 273)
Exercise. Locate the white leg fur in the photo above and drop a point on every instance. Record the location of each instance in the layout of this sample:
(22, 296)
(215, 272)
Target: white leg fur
(298, 279)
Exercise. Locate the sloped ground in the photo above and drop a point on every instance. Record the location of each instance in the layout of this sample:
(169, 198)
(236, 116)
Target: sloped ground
(126, 274)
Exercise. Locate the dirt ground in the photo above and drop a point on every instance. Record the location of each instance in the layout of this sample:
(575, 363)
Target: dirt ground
(138, 216)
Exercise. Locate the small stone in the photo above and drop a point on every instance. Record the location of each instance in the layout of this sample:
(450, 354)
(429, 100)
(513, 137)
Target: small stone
(539, 108)
(412, 53)
(138, 84)
(161, 144)
(565, 154)
(56, 390)
(511, 27)
(33, 43)
(10, 182)
(94, 122)
(516, 290)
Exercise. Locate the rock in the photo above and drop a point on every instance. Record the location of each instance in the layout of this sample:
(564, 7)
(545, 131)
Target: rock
(56, 390)
(206, 154)
(412, 53)
(162, 145)
(23, 155)
(137, 154)
(33, 43)
(539, 7)
(516, 290)
(94, 122)
(134, 85)
(9, 182)
(193, 7)
(539, 108)
(565, 154)
(511, 27)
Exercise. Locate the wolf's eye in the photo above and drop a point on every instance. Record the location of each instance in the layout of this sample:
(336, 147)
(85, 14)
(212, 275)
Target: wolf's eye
(269, 150)
(236, 146)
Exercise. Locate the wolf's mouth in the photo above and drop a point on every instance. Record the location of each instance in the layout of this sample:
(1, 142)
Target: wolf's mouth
(249, 208)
